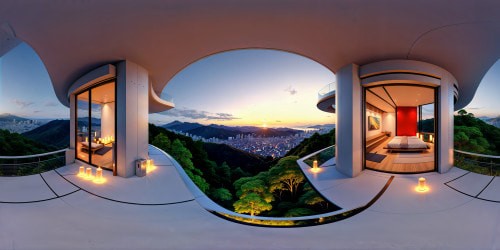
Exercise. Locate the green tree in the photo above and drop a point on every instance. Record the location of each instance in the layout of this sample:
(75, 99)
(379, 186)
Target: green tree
(470, 139)
(299, 211)
(162, 141)
(255, 186)
(462, 112)
(252, 204)
(222, 194)
(287, 173)
(312, 198)
(183, 156)
(254, 196)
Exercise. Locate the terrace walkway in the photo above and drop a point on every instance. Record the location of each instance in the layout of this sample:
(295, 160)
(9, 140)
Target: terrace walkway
(58, 210)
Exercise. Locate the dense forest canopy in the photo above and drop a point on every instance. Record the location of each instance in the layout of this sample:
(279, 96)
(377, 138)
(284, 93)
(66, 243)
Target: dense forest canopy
(474, 135)
(266, 186)
(14, 144)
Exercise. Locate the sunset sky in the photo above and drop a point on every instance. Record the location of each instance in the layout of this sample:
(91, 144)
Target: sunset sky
(244, 87)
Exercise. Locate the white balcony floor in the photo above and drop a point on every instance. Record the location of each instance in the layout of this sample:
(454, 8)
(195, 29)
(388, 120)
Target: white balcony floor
(401, 218)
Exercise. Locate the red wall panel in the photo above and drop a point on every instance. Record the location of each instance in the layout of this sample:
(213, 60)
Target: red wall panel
(406, 118)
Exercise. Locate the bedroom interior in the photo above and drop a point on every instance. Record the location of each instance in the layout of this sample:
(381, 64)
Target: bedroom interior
(95, 125)
(399, 128)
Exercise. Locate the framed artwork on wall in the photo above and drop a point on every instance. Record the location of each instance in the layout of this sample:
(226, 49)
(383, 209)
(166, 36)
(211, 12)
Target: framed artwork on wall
(373, 123)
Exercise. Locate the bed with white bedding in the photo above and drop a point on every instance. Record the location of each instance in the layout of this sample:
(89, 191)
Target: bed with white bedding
(406, 143)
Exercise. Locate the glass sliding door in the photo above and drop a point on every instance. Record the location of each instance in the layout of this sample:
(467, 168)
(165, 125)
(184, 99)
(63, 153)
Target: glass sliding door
(82, 127)
(96, 119)
(103, 124)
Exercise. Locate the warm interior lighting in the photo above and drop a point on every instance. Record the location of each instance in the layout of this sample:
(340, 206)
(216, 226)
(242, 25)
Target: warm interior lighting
(422, 186)
(315, 164)
(431, 138)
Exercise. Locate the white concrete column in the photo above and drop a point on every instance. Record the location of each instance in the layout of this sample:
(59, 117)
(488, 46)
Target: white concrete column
(70, 154)
(131, 116)
(446, 123)
(348, 132)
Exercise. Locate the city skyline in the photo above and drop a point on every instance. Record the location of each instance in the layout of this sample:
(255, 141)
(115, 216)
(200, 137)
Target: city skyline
(283, 89)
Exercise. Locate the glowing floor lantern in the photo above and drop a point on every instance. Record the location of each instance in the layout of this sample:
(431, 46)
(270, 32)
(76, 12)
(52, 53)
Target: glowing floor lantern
(422, 186)
(98, 176)
(315, 168)
(88, 173)
(81, 171)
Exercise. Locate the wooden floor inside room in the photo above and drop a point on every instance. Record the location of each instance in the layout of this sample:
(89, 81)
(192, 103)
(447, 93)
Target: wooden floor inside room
(390, 162)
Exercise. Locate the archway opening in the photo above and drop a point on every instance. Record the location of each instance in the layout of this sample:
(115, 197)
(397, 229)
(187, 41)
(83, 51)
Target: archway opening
(253, 114)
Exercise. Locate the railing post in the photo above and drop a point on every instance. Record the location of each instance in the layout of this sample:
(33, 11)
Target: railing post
(491, 167)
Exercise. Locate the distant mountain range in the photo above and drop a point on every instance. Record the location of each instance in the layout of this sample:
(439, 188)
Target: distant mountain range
(325, 126)
(54, 133)
(492, 121)
(9, 117)
(224, 132)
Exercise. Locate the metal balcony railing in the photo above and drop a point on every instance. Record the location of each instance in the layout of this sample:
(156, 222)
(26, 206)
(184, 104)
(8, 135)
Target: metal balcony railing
(478, 163)
(326, 90)
(32, 164)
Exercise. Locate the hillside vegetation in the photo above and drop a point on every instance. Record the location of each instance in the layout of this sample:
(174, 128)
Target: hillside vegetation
(55, 133)
(244, 182)
(14, 144)
(474, 135)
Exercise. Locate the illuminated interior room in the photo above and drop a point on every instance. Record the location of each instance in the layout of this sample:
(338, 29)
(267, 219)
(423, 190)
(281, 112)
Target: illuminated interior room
(394, 137)
(393, 116)
(96, 119)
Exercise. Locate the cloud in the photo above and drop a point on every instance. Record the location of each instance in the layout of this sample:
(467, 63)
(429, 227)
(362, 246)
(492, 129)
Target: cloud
(291, 90)
(278, 121)
(50, 104)
(199, 114)
(222, 117)
(475, 108)
(22, 104)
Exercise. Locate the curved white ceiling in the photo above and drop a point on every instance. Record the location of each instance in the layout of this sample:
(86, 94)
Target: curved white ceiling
(73, 37)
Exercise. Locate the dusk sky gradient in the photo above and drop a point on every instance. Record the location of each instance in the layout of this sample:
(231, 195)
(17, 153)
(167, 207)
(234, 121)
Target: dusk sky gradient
(244, 87)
